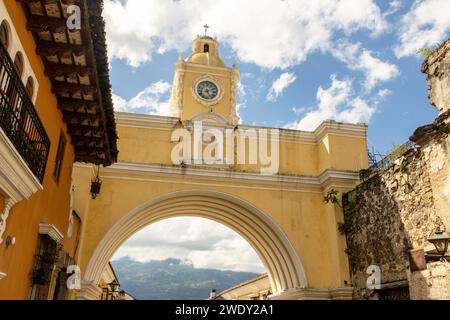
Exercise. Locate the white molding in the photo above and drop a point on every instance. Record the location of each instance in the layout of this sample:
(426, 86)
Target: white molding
(89, 291)
(17, 182)
(51, 231)
(315, 294)
(211, 174)
(16, 179)
(2, 275)
(286, 135)
(204, 66)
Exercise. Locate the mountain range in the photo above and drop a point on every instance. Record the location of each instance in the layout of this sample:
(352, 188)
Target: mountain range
(173, 279)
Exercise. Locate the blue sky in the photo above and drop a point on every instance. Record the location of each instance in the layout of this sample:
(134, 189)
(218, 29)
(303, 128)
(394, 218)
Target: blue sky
(143, 53)
(301, 61)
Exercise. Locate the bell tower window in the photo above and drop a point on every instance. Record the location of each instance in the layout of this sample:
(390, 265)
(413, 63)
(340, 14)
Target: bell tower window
(206, 48)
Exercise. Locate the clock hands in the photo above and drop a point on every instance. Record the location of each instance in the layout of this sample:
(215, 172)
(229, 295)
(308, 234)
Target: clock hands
(207, 90)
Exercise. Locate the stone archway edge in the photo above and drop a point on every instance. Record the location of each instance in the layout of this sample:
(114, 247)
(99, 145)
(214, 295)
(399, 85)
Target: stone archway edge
(282, 262)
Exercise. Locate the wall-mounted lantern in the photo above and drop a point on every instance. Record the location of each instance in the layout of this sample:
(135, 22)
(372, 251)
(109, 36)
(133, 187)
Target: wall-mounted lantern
(111, 290)
(440, 240)
(96, 185)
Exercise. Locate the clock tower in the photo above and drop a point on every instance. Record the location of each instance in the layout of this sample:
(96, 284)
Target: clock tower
(204, 88)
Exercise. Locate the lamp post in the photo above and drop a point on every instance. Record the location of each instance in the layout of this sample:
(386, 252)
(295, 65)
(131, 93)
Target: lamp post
(440, 240)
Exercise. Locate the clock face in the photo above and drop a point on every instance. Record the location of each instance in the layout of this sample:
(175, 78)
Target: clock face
(207, 90)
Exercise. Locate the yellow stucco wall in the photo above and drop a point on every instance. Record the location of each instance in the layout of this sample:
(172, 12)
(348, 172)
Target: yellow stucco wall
(310, 164)
(48, 206)
(299, 210)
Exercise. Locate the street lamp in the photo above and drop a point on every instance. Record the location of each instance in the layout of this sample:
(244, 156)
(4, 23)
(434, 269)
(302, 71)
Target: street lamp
(114, 285)
(111, 289)
(440, 241)
(96, 185)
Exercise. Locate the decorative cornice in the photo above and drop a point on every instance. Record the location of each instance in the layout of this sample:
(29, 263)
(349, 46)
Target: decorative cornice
(324, 129)
(89, 291)
(203, 66)
(133, 168)
(51, 231)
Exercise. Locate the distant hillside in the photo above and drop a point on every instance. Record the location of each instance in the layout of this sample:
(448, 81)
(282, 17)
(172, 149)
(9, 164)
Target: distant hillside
(173, 279)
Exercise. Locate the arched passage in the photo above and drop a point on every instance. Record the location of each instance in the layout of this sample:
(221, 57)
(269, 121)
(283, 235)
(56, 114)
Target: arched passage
(264, 235)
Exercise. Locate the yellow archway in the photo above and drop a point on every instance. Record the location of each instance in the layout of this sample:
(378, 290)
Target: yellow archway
(283, 265)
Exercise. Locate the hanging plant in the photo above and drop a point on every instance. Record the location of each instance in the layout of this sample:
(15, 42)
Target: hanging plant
(46, 261)
(332, 197)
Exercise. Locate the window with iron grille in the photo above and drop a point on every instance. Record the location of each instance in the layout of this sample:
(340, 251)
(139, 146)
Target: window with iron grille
(41, 276)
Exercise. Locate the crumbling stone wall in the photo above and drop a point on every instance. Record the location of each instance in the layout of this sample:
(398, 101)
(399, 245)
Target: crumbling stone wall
(397, 209)
(432, 283)
(390, 214)
(437, 68)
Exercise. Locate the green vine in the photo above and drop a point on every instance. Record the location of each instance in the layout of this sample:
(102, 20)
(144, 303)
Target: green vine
(425, 52)
(332, 197)
(404, 168)
(429, 51)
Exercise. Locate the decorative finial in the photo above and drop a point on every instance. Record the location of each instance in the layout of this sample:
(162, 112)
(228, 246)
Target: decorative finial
(206, 29)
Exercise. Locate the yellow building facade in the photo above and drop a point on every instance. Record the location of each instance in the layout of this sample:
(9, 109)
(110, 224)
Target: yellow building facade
(177, 166)
(40, 139)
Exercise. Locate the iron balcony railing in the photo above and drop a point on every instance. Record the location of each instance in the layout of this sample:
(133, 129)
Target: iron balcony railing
(387, 161)
(19, 119)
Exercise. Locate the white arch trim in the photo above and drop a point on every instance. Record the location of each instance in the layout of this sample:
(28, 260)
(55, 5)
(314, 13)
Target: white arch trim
(282, 262)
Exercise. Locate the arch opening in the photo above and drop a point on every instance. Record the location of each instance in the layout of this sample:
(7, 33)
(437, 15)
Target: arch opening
(210, 257)
(280, 259)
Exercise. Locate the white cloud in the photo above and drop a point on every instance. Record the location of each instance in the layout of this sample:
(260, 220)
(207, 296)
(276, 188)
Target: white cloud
(269, 33)
(205, 243)
(426, 24)
(338, 103)
(383, 94)
(394, 7)
(241, 102)
(375, 70)
(152, 100)
(280, 85)
(299, 110)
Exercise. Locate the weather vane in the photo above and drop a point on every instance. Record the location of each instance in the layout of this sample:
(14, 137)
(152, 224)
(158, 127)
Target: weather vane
(206, 29)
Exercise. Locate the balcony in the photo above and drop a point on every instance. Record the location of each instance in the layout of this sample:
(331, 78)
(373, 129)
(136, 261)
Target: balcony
(19, 119)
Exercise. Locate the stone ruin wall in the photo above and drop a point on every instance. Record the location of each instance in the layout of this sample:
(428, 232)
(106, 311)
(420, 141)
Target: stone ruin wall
(397, 209)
